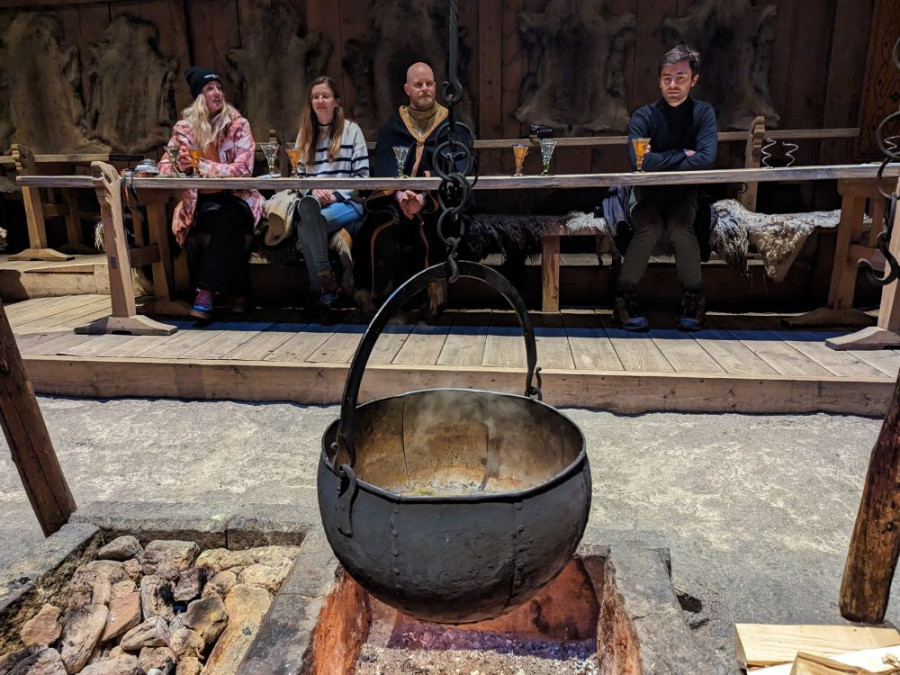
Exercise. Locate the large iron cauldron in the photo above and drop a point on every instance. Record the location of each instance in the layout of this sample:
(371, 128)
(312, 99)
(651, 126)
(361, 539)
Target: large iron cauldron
(452, 505)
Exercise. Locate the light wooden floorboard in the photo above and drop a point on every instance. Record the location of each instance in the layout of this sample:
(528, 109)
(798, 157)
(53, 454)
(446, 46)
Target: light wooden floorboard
(424, 345)
(841, 364)
(464, 346)
(782, 357)
(885, 360)
(300, 345)
(340, 347)
(58, 345)
(261, 345)
(636, 351)
(732, 355)
(590, 345)
(74, 307)
(177, 345)
(684, 353)
(389, 343)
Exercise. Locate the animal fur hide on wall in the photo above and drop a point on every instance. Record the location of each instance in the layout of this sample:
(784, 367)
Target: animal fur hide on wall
(402, 33)
(576, 54)
(132, 100)
(273, 69)
(734, 39)
(44, 86)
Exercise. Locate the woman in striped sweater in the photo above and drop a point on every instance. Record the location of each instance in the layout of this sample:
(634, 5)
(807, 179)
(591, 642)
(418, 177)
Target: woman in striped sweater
(330, 145)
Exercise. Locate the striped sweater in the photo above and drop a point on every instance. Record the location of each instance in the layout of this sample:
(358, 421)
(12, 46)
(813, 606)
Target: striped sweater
(351, 162)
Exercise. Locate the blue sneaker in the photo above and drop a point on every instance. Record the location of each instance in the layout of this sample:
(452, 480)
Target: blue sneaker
(203, 305)
(627, 315)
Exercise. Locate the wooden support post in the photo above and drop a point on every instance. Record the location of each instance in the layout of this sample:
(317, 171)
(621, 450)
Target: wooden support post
(29, 442)
(124, 317)
(875, 544)
(752, 159)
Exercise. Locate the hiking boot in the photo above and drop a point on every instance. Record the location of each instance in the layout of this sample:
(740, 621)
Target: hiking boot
(238, 304)
(693, 311)
(203, 304)
(329, 288)
(627, 315)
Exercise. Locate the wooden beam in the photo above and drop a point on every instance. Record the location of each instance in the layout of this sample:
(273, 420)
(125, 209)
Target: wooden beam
(28, 439)
(875, 544)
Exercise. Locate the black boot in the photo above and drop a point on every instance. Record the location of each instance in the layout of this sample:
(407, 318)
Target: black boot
(693, 311)
(626, 313)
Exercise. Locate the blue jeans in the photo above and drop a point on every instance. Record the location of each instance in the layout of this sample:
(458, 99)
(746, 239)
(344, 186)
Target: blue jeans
(316, 226)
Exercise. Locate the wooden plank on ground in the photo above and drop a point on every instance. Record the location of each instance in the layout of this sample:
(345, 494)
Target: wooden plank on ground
(504, 345)
(424, 344)
(553, 349)
(841, 364)
(590, 345)
(782, 357)
(22, 323)
(873, 660)
(731, 354)
(341, 346)
(27, 341)
(177, 345)
(390, 342)
(300, 345)
(768, 644)
(885, 360)
(264, 343)
(73, 313)
(636, 351)
(232, 335)
(18, 309)
(57, 345)
(465, 343)
(683, 352)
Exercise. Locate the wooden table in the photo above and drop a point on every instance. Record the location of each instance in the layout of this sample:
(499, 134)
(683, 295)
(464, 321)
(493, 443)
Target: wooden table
(37, 210)
(154, 192)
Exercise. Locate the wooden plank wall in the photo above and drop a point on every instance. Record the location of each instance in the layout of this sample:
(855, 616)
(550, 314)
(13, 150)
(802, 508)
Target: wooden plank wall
(820, 54)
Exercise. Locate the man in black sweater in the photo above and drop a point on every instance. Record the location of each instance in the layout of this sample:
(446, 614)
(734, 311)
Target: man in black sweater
(683, 137)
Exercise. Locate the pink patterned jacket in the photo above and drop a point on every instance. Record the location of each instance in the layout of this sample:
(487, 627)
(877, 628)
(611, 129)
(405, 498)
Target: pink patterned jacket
(235, 149)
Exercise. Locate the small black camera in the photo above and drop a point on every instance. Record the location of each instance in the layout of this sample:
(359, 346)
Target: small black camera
(539, 131)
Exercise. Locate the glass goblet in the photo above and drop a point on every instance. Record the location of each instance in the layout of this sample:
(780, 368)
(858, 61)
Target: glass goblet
(172, 152)
(640, 149)
(548, 145)
(293, 153)
(520, 150)
(401, 152)
(270, 152)
(194, 152)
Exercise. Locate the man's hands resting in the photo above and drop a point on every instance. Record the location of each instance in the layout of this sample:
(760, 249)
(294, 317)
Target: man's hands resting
(410, 202)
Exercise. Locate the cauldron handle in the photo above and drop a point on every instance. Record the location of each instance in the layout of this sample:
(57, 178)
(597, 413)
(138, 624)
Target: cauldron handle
(414, 285)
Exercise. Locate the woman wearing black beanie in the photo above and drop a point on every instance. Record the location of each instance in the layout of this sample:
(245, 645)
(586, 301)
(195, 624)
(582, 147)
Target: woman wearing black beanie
(215, 225)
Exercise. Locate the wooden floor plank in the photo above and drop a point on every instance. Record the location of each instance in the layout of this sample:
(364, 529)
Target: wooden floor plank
(261, 345)
(504, 346)
(73, 306)
(17, 311)
(58, 345)
(683, 352)
(636, 351)
(177, 345)
(464, 346)
(24, 342)
(782, 357)
(423, 346)
(389, 343)
(732, 355)
(340, 347)
(233, 334)
(590, 345)
(300, 345)
(885, 360)
(553, 349)
(839, 363)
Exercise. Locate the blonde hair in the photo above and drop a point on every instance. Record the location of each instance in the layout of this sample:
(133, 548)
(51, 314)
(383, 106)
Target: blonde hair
(204, 130)
(308, 132)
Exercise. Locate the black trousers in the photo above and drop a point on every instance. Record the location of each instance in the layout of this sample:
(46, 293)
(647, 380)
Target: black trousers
(219, 244)
(387, 253)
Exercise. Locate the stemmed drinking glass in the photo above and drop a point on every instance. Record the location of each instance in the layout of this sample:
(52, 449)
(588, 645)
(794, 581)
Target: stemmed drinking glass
(270, 151)
(520, 150)
(172, 152)
(640, 149)
(293, 153)
(401, 152)
(548, 145)
(194, 153)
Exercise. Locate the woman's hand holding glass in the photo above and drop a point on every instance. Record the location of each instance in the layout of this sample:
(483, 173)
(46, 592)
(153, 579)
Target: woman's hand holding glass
(185, 163)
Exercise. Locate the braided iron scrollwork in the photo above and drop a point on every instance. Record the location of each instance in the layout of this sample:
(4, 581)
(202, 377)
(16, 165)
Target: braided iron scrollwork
(889, 149)
(454, 160)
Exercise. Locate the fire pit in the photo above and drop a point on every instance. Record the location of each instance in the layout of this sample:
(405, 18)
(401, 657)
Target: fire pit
(452, 505)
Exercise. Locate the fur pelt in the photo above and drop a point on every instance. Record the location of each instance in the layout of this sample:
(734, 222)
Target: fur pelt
(563, 42)
(2, 239)
(288, 253)
(777, 237)
(43, 84)
(402, 32)
(734, 38)
(131, 109)
(273, 69)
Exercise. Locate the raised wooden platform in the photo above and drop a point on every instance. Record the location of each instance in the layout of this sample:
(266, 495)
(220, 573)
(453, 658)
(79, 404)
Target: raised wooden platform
(741, 363)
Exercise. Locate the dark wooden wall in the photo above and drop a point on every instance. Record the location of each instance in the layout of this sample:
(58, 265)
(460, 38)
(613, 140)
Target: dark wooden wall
(820, 52)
